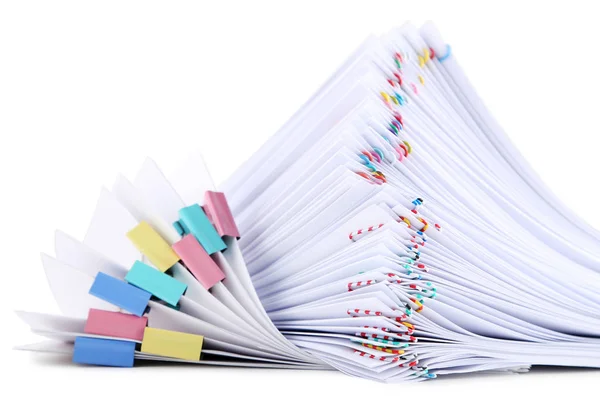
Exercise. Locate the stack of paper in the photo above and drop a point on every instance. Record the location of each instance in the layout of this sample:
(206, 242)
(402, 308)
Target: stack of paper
(389, 230)
(392, 230)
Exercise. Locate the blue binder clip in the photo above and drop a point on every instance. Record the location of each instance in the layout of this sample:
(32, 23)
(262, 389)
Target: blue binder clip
(107, 352)
(121, 294)
(193, 220)
(158, 284)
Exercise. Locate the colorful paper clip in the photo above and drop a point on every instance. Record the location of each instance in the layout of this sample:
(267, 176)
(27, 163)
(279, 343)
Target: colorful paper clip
(106, 352)
(173, 344)
(199, 263)
(155, 282)
(447, 55)
(121, 294)
(115, 324)
(153, 246)
(218, 212)
(193, 220)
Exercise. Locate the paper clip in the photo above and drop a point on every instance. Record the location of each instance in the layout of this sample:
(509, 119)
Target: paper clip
(365, 175)
(405, 148)
(353, 235)
(357, 285)
(398, 117)
(425, 224)
(417, 203)
(373, 155)
(379, 175)
(447, 55)
(401, 101)
(405, 220)
(386, 97)
(398, 78)
(367, 158)
(377, 150)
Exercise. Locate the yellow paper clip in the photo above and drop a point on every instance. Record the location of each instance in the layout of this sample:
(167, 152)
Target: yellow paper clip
(153, 246)
(386, 97)
(161, 342)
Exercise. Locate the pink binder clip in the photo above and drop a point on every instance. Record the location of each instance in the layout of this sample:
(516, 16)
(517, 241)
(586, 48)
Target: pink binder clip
(197, 260)
(217, 210)
(115, 324)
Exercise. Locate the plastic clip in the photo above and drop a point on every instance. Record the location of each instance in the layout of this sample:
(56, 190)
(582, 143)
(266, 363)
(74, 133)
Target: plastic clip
(173, 344)
(153, 246)
(115, 324)
(155, 282)
(193, 220)
(107, 352)
(199, 263)
(120, 294)
(218, 211)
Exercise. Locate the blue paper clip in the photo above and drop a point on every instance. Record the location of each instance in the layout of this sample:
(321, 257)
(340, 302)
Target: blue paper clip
(120, 293)
(155, 282)
(447, 55)
(193, 220)
(417, 202)
(107, 352)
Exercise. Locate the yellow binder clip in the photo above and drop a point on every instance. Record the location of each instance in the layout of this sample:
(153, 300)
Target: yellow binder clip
(153, 246)
(161, 342)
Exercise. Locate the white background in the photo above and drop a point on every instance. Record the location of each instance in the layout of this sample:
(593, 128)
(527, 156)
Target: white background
(88, 89)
